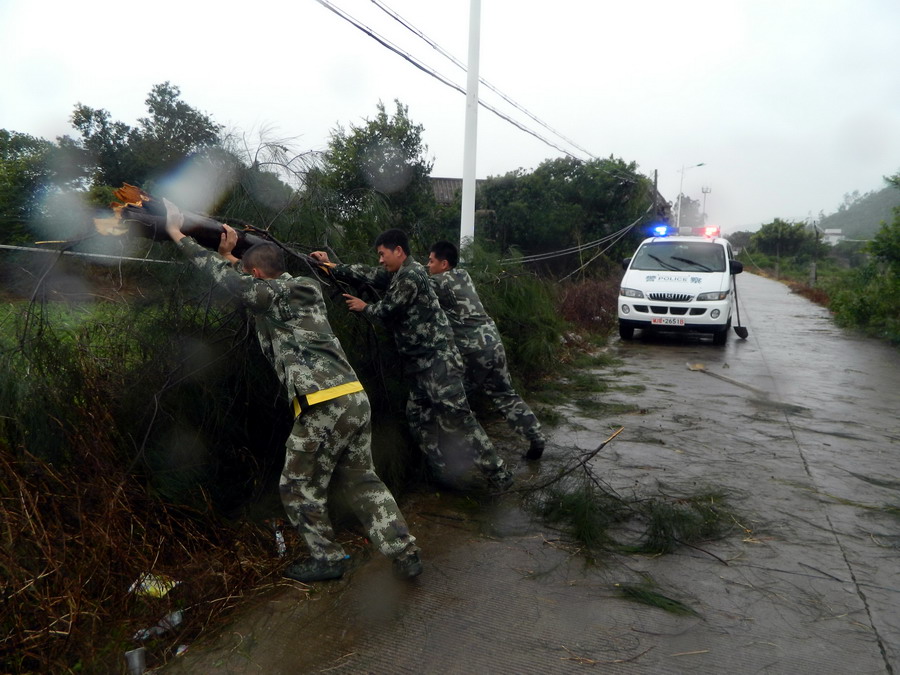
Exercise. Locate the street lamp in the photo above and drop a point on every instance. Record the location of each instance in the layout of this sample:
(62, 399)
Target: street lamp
(681, 192)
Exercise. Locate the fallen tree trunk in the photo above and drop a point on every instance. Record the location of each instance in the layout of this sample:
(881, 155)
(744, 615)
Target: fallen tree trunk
(142, 215)
(205, 230)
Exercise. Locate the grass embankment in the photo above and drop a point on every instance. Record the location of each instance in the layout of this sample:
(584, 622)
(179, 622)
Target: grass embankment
(107, 477)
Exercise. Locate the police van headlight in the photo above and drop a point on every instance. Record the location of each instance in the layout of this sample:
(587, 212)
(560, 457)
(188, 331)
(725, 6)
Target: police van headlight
(631, 293)
(715, 295)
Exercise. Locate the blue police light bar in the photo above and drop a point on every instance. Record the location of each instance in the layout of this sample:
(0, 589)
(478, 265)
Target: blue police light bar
(660, 230)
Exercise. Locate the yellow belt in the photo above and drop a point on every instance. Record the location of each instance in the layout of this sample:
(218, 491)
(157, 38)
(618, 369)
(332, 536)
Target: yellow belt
(326, 395)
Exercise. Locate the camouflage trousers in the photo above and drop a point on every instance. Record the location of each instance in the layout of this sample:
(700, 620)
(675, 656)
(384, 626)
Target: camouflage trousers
(486, 372)
(332, 441)
(443, 424)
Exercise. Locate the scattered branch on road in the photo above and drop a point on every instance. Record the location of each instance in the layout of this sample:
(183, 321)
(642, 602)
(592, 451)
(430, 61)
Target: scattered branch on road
(598, 520)
(593, 662)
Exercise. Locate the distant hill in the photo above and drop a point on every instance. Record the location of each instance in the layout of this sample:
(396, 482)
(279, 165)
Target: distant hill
(860, 217)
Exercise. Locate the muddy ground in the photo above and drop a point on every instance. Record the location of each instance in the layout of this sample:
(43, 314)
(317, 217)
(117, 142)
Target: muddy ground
(798, 425)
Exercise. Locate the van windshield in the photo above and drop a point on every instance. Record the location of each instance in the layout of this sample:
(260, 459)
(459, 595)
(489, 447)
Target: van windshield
(680, 256)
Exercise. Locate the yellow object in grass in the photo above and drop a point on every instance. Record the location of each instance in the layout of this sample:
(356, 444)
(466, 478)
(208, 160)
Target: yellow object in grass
(153, 585)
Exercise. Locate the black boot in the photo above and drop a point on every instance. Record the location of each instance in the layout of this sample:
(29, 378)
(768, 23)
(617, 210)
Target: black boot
(407, 566)
(536, 449)
(501, 480)
(315, 570)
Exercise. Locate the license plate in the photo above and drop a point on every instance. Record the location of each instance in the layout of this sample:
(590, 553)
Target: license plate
(667, 321)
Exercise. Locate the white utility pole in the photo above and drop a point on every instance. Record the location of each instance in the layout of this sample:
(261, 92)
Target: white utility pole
(467, 217)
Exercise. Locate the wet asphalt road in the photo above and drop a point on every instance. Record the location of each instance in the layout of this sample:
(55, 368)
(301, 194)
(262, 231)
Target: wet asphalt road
(799, 426)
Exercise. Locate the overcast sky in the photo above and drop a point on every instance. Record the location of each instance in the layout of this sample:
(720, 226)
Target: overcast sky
(789, 104)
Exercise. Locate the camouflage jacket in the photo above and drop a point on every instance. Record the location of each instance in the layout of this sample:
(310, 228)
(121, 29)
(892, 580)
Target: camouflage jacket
(473, 329)
(409, 308)
(291, 323)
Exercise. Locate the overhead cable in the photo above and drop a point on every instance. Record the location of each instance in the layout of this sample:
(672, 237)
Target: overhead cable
(556, 254)
(599, 253)
(406, 24)
(80, 254)
(441, 78)
(403, 22)
(613, 238)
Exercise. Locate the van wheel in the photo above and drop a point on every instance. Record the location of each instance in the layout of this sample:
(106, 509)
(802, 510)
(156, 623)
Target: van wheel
(721, 337)
(626, 332)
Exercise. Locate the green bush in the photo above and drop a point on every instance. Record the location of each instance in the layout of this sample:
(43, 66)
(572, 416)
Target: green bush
(89, 398)
(785, 267)
(525, 308)
(868, 299)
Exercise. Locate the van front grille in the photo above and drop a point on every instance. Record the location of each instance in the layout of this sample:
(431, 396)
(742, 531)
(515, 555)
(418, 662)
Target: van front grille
(671, 297)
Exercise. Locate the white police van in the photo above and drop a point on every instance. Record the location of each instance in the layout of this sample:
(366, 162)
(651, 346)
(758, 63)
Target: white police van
(679, 283)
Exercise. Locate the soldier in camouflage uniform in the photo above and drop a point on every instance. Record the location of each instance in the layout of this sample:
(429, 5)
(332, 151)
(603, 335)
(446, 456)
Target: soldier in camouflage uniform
(478, 341)
(437, 410)
(331, 435)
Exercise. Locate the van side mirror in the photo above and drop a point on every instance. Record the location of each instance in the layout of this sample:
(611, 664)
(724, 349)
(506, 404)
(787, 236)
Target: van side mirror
(625, 263)
(736, 266)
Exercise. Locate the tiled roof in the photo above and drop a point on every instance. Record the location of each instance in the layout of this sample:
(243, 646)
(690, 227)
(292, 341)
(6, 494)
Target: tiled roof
(446, 189)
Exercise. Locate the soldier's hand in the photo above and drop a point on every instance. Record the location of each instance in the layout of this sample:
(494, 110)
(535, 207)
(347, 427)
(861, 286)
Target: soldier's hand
(321, 256)
(174, 221)
(227, 242)
(354, 304)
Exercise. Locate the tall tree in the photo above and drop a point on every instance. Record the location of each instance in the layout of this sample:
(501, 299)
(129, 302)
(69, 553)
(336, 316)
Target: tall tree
(108, 146)
(785, 239)
(376, 176)
(23, 173)
(30, 168)
(173, 131)
(564, 202)
(740, 240)
(885, 246)
(120, 153)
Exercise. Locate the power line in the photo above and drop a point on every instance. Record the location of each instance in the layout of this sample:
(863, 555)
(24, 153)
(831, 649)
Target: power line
(382, 40)
(31, 249)
(614, 238)
(623, 231)
(440, 78)
(403, 22)
(561, 252)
